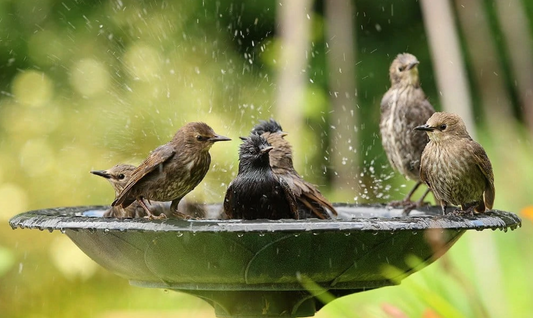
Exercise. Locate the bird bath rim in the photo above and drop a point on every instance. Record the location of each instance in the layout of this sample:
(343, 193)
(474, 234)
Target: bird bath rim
(383, 219)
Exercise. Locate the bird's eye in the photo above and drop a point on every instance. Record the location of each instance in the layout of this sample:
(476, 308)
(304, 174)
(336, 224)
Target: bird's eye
(121, 176)
(401, 68)
(443, 127)
(201, 138)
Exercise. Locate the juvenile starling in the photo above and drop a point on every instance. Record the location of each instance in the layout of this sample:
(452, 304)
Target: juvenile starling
(172, 170)
(455, 167)
(118, 176)
(311, 203)
(404, 107)
(256, 192)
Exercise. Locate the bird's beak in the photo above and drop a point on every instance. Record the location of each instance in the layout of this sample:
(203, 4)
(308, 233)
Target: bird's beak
(283, 134)
(243, 138)
(411, 65)
(425, 127)
(267, 149)
(101, 173)
(219, 138)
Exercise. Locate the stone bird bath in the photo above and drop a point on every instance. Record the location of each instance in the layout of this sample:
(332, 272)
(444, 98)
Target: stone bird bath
(258, 268)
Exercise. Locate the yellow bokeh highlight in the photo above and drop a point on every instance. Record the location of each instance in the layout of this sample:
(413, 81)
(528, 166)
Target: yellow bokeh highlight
(70, 260)
(13, 200)
(32, 88)
(28, 122)
(36, 157)
(89, 77)
(142, 62)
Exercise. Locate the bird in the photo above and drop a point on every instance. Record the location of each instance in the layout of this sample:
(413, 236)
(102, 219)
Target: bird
(171, 170)
(454, 166)
(311, 203)
(256, 192)
(118, 176)
(403, 107)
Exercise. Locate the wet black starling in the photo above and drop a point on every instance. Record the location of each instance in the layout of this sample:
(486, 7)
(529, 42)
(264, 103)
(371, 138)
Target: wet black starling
(256, 192)
(118, 176)
(404, 107)
(172, 170)
(455, 167)
(311, 203)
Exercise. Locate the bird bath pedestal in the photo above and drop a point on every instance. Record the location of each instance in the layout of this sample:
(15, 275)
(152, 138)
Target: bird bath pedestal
(260, 268)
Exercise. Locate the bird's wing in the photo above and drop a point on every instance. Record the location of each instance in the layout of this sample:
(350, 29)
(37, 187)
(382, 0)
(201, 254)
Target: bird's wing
(291, 198)
(423, 173)
(386, 101)
(310, 196)
(228, 202)
(417, 114)
(483, 163)
(156, 158)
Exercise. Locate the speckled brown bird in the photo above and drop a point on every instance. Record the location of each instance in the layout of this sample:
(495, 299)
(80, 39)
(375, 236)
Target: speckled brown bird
(256, 192)
(311, 203)
(454, 166)
(172, 170)
(404, 107)
(118, 176)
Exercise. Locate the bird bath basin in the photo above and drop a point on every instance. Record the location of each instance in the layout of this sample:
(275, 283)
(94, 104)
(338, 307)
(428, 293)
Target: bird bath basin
(259, 268)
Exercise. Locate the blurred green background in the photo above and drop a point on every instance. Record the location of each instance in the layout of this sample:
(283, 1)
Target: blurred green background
(85, 85)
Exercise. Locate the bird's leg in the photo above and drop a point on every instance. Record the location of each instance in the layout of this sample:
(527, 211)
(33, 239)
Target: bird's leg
(150, 215)
(420, 202)
(174, 205)
(174, 210)
(406, 203)
(417, 204)
(443, 205)
(146, 209)
(410, 194)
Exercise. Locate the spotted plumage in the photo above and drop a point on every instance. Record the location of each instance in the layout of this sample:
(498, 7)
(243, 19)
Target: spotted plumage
(403, 107)
(454, 166)
(118, 176)
(172, 170)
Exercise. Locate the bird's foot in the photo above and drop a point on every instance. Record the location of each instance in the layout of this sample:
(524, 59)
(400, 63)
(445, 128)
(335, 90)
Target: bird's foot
(399, 204)
(459, 212)
(407, 205)
(469, 211)
(161, 216)
(181, 215)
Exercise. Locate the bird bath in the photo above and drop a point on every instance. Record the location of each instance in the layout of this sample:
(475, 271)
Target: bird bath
(259, 268)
